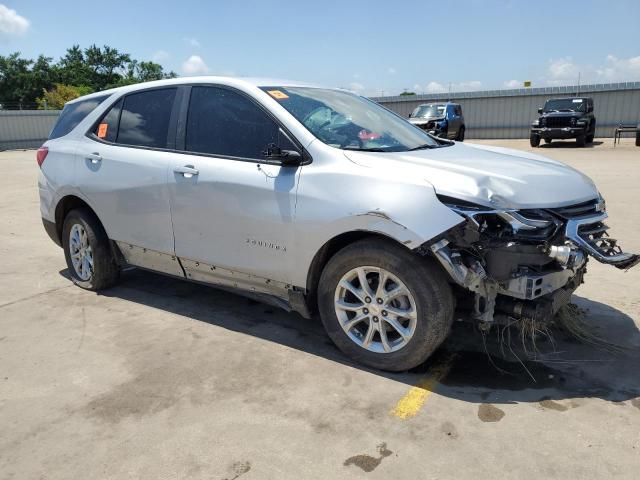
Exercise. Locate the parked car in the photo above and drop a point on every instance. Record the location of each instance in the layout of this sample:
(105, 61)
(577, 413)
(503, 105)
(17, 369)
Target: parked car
(440, 119)
(563, 118)
(320, 201)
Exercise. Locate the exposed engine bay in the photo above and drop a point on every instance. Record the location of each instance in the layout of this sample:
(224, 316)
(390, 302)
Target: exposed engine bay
(523, 264)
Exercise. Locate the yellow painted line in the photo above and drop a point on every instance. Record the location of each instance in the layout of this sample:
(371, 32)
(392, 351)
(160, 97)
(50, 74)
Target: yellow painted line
(409, 405)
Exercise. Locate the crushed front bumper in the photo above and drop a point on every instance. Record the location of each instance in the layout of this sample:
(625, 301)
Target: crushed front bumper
(539, 278)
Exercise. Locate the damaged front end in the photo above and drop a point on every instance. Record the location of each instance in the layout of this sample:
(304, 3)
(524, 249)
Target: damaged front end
(523, 264)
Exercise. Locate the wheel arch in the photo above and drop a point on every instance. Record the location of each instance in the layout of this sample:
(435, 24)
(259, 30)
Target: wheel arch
(327, 251)
(64, 206)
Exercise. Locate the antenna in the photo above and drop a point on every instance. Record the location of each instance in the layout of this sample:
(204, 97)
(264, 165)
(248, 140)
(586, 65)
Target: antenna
(578, 94)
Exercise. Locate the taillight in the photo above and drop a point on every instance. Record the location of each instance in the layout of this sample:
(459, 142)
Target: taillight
(41, 154)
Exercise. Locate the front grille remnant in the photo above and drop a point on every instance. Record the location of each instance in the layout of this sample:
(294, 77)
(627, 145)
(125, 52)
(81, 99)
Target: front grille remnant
(588, 208)
(590, 233)
(596, 235)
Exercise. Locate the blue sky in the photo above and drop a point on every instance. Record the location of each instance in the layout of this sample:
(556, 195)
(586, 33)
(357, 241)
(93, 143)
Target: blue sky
(368, 46)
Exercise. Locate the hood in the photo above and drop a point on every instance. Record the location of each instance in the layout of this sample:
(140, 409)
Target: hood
(420, 120)
(490, 176)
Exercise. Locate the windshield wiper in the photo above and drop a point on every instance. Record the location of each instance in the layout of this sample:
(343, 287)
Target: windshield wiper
(424, 147)
(358, 149)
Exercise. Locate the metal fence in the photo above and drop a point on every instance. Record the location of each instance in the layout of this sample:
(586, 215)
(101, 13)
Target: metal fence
(25, 128)
(509, 113)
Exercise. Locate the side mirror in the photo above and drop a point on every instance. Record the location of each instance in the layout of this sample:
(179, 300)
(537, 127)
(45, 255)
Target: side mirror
(540, 110)
(286, 157)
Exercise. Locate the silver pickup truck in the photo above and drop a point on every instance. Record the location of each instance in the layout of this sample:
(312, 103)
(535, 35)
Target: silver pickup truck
(320, 201)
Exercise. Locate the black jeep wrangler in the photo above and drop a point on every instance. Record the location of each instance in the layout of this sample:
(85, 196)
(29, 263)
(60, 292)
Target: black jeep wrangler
(565, 118)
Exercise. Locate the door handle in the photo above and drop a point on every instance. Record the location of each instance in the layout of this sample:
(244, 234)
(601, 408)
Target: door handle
(94, 157)
(187, 171)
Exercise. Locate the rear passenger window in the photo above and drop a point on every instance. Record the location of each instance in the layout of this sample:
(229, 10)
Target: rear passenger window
(107, 128)
(145, 118)
(73, 113)
(223, 122)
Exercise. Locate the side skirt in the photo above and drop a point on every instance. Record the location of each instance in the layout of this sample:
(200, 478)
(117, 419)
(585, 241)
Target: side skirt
(273, 292)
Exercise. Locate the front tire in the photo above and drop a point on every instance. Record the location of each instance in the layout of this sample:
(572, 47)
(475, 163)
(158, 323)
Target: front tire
(534, 140)
(581, 141)
(384, 306)
(87, 251)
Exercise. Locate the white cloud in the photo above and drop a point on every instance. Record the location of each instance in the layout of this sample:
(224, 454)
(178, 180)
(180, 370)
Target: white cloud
(391, 71)
(435, 87)
(562, 69)
(192, 41)
(512, 84)
(195, 65)
(12, 24)
(619, 69)
(160, 56)
(466, 86)
(356, 87)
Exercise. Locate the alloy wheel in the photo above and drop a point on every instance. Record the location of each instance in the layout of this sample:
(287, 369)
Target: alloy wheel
(375, 309)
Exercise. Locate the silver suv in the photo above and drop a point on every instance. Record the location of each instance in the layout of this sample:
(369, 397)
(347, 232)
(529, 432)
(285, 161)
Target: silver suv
(320, 201)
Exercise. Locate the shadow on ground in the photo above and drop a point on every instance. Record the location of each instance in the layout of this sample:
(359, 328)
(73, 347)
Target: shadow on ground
(479, 370)
(569, 144)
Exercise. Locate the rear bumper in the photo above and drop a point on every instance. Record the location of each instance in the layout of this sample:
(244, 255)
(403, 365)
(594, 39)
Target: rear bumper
(52, 231)
(561, 133)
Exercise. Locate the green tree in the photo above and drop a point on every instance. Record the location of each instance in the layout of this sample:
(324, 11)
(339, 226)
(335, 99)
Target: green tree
(97, 68)
(55, 98)
(73, 67)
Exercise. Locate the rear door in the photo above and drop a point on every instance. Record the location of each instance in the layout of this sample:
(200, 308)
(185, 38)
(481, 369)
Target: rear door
(232, 210)
(123, 169)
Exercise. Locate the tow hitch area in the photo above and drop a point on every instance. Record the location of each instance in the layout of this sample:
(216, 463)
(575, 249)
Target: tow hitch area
(524, 264)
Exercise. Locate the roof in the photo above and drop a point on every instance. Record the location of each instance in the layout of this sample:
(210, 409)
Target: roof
(231, 81)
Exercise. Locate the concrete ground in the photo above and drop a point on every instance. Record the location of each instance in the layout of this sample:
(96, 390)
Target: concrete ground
(161, 379)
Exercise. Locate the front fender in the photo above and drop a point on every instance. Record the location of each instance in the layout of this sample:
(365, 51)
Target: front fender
(401, 207)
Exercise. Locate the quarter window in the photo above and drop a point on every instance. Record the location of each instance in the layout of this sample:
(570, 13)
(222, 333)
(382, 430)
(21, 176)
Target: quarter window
(146, 117)
(107, 128)
(73, 114)
(223, 122)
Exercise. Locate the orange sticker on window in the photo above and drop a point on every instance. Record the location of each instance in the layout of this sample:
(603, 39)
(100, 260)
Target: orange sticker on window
(102, 130)
(277, 94)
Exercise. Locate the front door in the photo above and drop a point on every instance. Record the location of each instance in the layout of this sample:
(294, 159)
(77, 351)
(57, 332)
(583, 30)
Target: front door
(232, 212)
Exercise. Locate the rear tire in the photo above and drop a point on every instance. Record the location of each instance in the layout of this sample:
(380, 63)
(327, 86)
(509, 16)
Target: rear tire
(87, 251)
(461, 134)
(581, 141)
(534, 140)
(638, 137)
(425, 313)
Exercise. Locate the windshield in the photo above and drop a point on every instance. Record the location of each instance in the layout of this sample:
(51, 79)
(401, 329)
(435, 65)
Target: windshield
(350, 122)
(566, 105)
(425, 111)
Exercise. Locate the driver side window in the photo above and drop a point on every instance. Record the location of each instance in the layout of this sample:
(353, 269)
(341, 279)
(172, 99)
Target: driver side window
(223, 122)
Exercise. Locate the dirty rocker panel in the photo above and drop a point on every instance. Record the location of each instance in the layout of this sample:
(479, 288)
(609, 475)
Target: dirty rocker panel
(201, 272)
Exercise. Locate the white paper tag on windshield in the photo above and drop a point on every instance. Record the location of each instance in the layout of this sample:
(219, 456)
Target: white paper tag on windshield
(577, 100)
